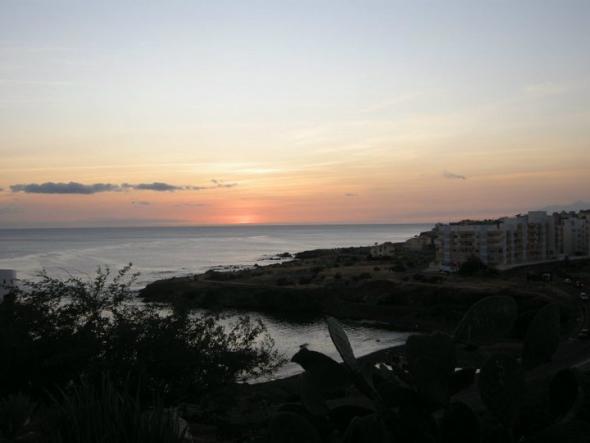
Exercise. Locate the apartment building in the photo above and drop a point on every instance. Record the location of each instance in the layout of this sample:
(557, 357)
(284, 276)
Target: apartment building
(574, 232)
(512, 241)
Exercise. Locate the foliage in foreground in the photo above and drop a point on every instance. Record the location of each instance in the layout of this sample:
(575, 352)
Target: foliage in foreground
(93, 414)
(414, 399)
(89, 414)
(54, 332)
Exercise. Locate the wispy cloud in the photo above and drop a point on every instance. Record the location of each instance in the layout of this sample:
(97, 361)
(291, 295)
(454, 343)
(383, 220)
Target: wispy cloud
(545, 89)
(392, 103)
(140, 203)
(222, 184)
(350, 194)
(83, 189)
(453, 176)
(155, 186)
(190, 205)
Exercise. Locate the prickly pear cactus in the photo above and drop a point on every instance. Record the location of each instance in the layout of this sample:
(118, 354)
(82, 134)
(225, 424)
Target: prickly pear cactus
(342, 343)
(542, 337)
(487, 320)
(459, 424)
(311, 396)
(565, 393)
(431, 361)
(326, 373)
(501, 387)
(368, 429)
(574, 431)
(288, 427)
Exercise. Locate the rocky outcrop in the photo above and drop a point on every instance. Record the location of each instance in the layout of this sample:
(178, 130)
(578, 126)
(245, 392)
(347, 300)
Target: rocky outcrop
(398, 305)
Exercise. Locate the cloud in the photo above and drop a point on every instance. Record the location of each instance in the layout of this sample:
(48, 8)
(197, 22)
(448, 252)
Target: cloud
(79, 188)
(222, 184)
(190, 205)
(216, 184)
(545, 89)
(453, 176)
(64, 188)
(350, 194)
(155, 186)
(140, 203)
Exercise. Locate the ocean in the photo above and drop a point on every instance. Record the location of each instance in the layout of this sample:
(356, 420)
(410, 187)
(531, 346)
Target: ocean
(162, 252)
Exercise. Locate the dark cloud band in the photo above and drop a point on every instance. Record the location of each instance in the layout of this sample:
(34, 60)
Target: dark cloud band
(64, 188)
(82, 189)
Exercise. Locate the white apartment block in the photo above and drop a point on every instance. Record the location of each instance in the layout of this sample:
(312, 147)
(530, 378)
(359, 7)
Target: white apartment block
(513, 241)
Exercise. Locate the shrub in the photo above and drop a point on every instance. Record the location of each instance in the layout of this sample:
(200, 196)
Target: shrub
(53, 332)
(283, 281)
(398, 267)
(362, 276)
(305, 280)
(16, 412)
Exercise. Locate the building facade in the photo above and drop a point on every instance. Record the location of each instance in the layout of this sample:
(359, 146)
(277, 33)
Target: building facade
(513, 241)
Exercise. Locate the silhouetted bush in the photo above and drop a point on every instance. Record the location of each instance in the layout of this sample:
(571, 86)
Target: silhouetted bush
(398, 267)
(305, 280)
(362, 276)
(16, 414)
(53, 332)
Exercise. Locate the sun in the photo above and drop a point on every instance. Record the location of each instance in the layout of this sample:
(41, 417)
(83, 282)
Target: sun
(244, 219)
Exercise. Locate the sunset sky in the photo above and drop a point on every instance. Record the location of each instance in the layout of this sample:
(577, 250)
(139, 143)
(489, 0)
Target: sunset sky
(204, 112)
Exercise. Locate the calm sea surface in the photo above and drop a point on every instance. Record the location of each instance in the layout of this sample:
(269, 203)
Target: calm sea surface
(171, 251)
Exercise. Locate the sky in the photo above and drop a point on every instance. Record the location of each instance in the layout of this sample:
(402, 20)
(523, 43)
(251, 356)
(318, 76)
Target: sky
(220, 112)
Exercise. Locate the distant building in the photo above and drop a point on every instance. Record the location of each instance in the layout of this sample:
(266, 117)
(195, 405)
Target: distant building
(512, 241)
(7, 280)
(575, 234)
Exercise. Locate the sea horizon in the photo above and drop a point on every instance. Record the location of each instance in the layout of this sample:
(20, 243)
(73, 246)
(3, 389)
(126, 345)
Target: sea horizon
(168, 251)
(217, 225)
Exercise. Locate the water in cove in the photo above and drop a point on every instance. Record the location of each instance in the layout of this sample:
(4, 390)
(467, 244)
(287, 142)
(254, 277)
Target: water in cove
(161, 252)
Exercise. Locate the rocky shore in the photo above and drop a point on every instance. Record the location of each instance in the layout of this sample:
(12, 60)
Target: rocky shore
(396, 292)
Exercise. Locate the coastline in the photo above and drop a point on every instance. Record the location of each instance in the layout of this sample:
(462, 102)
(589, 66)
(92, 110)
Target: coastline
(398, 293)
(162, 252)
